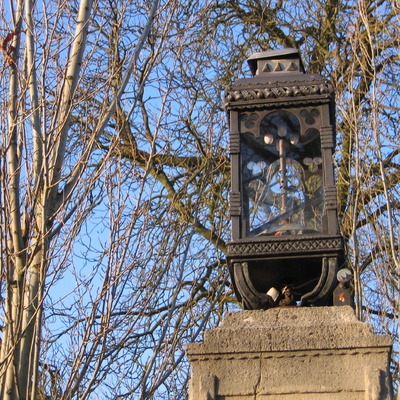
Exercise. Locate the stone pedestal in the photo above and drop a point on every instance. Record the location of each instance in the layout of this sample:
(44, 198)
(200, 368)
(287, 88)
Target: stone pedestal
(316, 353)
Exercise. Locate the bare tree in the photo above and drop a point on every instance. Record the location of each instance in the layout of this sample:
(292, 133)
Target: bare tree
(105, 263)
(115, 178)
(50, 169)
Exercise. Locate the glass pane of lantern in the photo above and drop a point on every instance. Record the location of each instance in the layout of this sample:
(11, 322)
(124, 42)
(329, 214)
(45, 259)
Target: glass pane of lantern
(282, 177)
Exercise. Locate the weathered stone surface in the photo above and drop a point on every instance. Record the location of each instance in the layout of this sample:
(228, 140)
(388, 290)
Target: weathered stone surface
(291, 353)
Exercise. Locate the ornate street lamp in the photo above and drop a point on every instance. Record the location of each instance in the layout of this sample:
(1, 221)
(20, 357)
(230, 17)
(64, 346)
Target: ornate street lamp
(285, 246)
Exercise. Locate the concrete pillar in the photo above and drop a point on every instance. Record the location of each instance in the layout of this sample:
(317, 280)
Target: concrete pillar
(315, 353)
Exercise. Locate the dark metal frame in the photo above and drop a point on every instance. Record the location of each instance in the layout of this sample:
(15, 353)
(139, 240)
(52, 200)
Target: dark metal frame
(251, 260)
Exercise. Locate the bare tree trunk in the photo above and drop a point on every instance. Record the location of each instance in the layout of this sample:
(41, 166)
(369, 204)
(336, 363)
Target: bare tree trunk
(16, 245)
(31, 231)
(21, 342)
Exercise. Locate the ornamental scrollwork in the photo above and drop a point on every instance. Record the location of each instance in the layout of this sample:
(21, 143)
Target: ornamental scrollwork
(232, 95)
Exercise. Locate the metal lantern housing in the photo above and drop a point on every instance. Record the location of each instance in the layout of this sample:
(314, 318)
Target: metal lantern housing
(283, 199)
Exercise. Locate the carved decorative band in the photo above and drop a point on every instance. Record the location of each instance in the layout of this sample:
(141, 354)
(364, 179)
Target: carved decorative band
(235, 208)
(278, 92)
(270, 104)
(326, 137)
(289, 246)
(234, 142)
(330, 197)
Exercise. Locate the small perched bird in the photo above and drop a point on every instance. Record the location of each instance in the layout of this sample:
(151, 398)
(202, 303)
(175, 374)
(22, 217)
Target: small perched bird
(287, 297)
